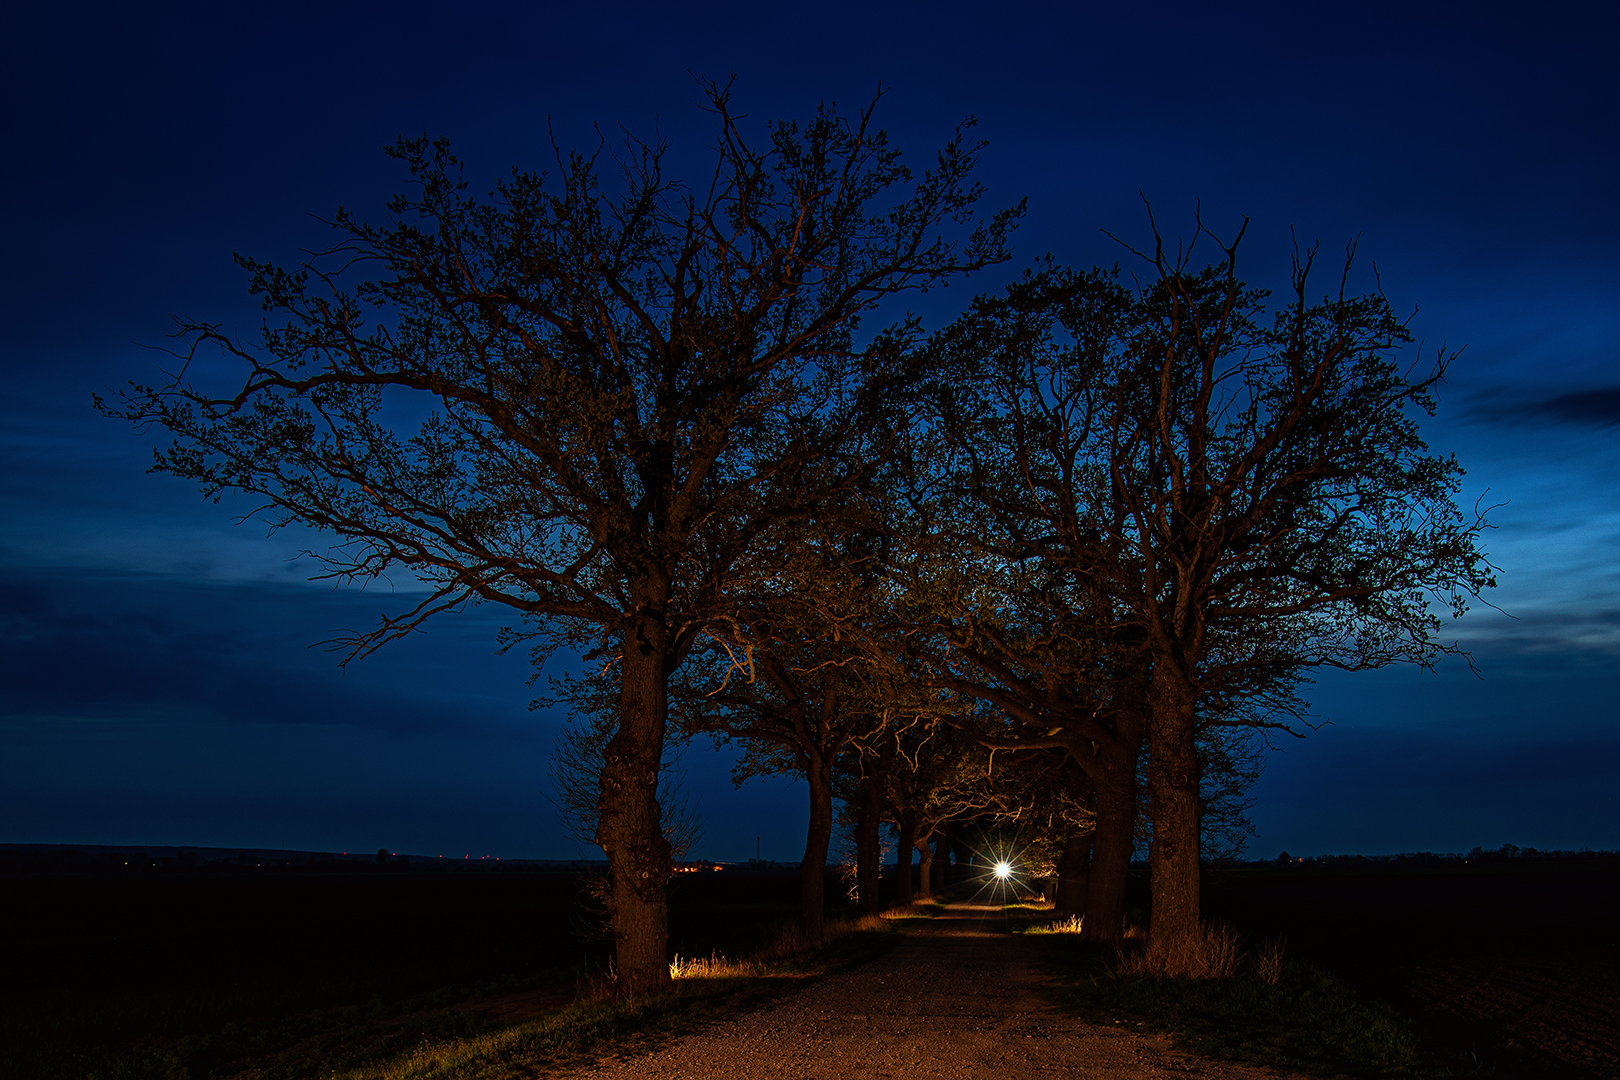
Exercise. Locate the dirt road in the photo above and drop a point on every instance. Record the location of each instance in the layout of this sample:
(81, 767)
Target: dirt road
(959, 998)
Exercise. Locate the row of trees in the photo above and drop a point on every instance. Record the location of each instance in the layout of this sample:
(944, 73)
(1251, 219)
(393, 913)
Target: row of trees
(1084, 530)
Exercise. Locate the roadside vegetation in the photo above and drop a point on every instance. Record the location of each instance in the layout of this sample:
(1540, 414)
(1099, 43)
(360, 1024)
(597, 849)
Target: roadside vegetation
(1248, 1003)
(702, 992)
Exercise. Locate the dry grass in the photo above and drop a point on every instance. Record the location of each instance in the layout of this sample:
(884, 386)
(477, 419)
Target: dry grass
(1071, 925)
(713, 967)
(1268, 961)
(1215, 955)
(789, 941)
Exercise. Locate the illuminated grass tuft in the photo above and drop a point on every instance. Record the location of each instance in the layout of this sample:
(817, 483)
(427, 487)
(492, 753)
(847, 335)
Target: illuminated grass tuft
(1071, 925)
(714, 967)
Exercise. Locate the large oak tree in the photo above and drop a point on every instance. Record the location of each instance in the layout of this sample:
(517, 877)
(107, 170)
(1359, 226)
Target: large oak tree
(1245, 486)
(625, 380)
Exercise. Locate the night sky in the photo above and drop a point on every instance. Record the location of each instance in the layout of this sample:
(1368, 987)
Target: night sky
(158, 683)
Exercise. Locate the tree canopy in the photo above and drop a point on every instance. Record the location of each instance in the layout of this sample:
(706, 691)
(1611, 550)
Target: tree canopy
(627, 380)
(1237, 494)
(1103, 527)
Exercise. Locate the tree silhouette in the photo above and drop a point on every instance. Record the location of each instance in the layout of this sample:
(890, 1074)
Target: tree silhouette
(625, 381)
(1249, 497)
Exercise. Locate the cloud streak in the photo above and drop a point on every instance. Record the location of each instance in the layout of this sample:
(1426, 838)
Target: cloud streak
(107, 645)
(1593, 407)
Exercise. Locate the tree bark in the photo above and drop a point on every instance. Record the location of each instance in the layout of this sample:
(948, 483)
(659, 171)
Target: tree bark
(902, 862)
(818, 837)
(1074, 868)
(868, 830)
(925, 869)
(1112, 773)
(1175, 935)
(630, 829)
(1111, 845)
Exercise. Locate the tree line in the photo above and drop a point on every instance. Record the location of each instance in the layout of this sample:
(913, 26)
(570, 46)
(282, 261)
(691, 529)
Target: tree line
(1052, 562)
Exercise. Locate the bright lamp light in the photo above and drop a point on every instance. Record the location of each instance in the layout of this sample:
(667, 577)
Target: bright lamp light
(1003, 870)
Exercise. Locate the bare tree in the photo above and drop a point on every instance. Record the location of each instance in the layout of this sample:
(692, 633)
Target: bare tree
(1250, 495)
(625, 381)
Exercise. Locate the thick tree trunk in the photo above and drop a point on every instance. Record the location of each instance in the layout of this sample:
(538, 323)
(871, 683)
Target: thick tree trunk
(630, 829)
(813, 868)
(868, 848)
(868, 831)
(925, 869)
(1175, 935)
(1112, 842)
(1073, 870)
(1111, 773)
(902, 862)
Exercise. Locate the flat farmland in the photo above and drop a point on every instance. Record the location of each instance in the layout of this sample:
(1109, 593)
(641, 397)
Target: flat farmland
(1513, 967)
(211, 969)
(1508, 970)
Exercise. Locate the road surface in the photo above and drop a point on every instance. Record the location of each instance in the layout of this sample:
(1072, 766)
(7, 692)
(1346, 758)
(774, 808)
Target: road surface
(959, 998)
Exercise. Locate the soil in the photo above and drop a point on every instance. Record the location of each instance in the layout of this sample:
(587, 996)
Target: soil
(1560, 1008)
(958, 998)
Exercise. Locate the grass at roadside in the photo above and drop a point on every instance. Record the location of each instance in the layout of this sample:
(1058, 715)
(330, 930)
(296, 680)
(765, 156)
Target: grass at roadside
(705, 991)
(1267, 1010)
(447, 1044)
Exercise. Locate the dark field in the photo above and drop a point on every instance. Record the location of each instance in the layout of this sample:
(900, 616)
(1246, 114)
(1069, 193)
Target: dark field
(213, 971)
(1510, 970)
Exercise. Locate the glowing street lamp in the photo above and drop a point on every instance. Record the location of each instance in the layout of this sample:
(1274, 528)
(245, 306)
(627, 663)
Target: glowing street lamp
(1003, 871)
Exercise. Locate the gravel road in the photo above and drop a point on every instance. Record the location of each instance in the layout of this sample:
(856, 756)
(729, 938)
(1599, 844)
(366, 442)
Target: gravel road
(958, 998)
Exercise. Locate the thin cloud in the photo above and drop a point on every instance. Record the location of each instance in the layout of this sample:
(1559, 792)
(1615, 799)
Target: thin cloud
(1600, 407)
(1550, 630)
(1596, 407)
(97, 644)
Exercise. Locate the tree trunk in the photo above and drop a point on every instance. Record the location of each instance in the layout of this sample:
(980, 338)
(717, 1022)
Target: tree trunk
(1073, 870)
(1175, 935)
(868, 830)
(942, 856)
(902, 862)
(1111, 845)
(925, 869)
(1111, 771)
(813, 868)
(630, 829)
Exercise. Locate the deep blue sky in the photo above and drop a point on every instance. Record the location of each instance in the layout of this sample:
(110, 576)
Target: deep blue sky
(156, 680)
